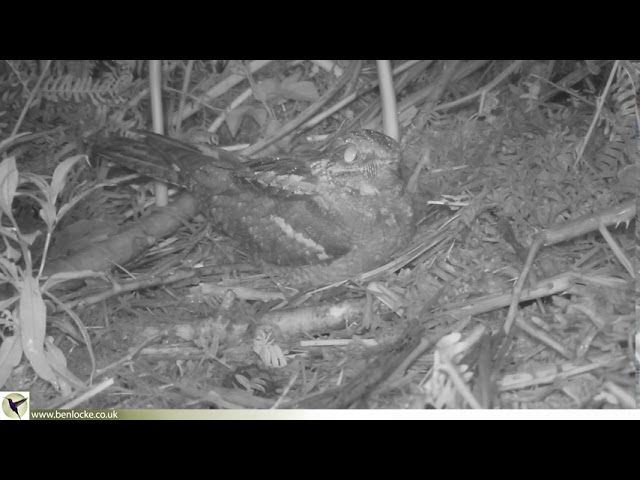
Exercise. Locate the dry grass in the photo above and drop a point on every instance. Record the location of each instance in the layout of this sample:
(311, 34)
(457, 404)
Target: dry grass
(192, 325)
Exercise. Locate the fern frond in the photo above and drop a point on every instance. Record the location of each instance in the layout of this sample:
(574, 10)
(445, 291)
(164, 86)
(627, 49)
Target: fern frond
(623, 123)
(99, 92)
(624, 95)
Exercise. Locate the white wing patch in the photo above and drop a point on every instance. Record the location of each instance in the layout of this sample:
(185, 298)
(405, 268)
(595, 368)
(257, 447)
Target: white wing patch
(299, 237)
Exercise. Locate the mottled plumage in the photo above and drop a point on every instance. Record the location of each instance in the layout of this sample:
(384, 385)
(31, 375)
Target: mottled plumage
(312, 218)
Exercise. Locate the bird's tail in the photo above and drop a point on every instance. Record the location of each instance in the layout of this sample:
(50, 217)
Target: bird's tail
(165, 159)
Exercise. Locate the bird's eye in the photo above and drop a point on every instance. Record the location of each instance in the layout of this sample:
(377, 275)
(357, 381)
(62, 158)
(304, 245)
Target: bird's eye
(350, 154)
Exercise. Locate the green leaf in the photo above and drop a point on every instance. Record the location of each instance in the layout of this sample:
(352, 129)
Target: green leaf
(48, 214)
(6, 303)
(33, 317)
(8, 184)
(6, 232)
(38, 181)
(10, 356)
(69, 205)
(9, 268)
(11, 254)
(60, 176)
(57, 360)
(8, 141)
(29, 238)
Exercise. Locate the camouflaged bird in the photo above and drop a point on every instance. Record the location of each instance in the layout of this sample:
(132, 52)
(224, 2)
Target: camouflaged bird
(312, 218)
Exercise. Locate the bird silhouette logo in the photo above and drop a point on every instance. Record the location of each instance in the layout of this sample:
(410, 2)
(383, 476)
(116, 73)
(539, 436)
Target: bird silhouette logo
(14, 406)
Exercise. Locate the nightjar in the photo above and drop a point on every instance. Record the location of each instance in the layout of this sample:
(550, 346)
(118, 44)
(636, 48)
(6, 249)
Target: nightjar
(311, 218)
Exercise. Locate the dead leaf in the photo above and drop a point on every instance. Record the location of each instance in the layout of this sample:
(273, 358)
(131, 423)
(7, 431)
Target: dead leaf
(234, 119)
(304, 91)
(273, 125)
(290, 79)
(266, 90)
(260, 115)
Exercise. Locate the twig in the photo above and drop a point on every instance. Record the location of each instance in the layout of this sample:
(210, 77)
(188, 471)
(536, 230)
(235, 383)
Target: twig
(596, 117)
(450, 68)
(544, 338)
(625, 399)
(217, 123)
(368, 117)
(571, 79)
(219, 89)
(623, 212)
(520, 380)
(421, 95)
(129, 356)
(157, 117)
(482, 91)
(519, 286)
(183, 94)
(329, 66)
(25, 137)
(30, 99)
(88, 394)
(388, 100)
(306, 114)
(353, 96)
(617, 250)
